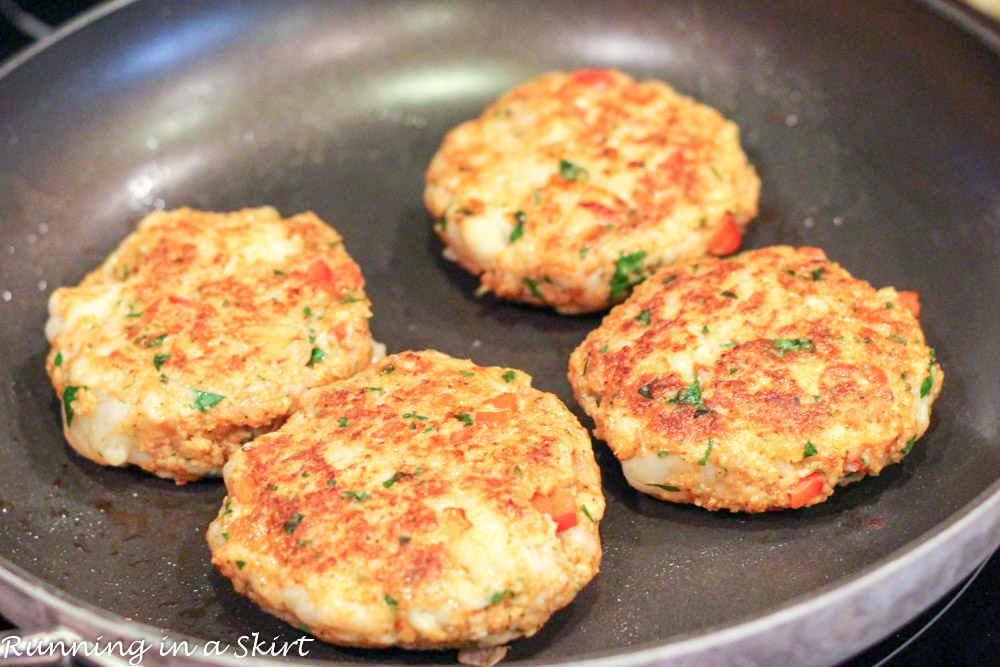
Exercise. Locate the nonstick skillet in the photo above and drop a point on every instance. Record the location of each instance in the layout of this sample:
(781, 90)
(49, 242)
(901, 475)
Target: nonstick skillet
(874, 127)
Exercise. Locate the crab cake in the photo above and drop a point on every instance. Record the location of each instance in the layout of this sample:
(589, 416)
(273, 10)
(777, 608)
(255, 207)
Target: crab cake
(425, 503)
(571, 188)
(200, 332)
(758, 382)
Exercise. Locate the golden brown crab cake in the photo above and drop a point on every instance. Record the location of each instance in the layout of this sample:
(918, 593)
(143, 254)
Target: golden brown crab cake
(200, 332)
(757, 382)
(427, 502)
(572, 187)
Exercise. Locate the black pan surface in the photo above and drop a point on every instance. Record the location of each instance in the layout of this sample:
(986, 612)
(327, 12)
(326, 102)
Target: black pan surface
(874, 127)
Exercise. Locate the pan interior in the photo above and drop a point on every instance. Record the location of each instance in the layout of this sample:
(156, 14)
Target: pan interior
(874, 132)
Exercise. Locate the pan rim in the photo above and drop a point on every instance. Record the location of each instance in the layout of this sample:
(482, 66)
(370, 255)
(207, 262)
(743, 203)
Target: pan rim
(967, 537)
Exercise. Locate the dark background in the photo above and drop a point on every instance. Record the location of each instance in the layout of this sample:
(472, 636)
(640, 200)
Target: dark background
(960, 630)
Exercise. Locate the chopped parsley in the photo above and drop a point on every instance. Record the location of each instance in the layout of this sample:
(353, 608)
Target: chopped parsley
(330, 483)
(662, 455)
(272, 487)
(389, 600)
(583, 251)
(395, 478)
(157, 341)
(58, 359)
(498, 596)
(889, 306)
(279, 272)
(466, 372)
(625, 277)
(404, 539)
(782, 345)
(374, 388)
(441, 223)
(518, 232)
(388, 369)
(925, 386)
(465, 418)
(729, 344)
(817, 274)
(604, 348)
(898, 339)
(730, 295)
(704, 329)
(509, 376)
(351, 299)
(294, 523)
(704, 458)
(909, 445)
(586, 513)
(342, 421)
(646, 390)
(303, 543)
(810, 450)
(691, 395)
(69, 395)
(668, 280)
(205, 400)
(318, 355)
(159, 359)
(667, 487)
(414, 415)
(643, 318)
(572, 172)
(240, 564)
(357, 496)
(533, 286)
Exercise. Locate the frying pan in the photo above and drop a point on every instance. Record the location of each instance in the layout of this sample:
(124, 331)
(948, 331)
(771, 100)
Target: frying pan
(874, 127)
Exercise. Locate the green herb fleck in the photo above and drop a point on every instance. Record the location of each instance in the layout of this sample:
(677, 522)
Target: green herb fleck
(583, 251)
(704, 458)
(518, 232)
(225, 535)
(69, 395)
(729, 344)
(228, 506)
(732, 370)
(889, 305)
(668, 280)
(240, 564)
(533, 286)
(351, 299)
(690, 394)
(925, 386)
(342, 422)
(294, 523)
(414, 415)
(279, 272)
(395, 478)
(58, 359)
(205, 400)
(330, 483)
(389, 600)
(159, 359)
(404, 539)
(466, 372)
(374, 388)
(157, 341)
(317, 356)
(388, 369)
(643, 318)
(782, 345)
(357, 496)
(465, 418)
(604, 348)
(909, 445)
(730, 295)
(625, 276)
(898, 339)
(667, 487)
(272, 487)
(662, 455)
(645, 390)
(817, 274)
(305, 473)
(572, 172)
(303, 543)
(509, 376)
(497, 597)
(586, 513)
(441, 223)
(810, 450)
